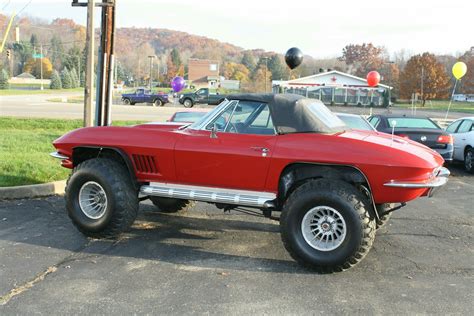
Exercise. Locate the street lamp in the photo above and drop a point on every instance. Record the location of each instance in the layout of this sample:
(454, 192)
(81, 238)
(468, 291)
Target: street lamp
(151, 57)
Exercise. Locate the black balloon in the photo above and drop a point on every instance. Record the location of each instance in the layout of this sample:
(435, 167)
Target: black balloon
(294, 57)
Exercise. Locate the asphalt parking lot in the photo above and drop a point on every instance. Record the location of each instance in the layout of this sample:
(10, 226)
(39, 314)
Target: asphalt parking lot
(205, 261)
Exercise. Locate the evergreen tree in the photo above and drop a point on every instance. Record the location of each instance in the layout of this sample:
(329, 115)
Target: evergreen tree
(34, 41)
(55, 81)
(249, 61)
(74, 78)
(4, 80)
(176, 58)
(83, 79)
(57, 52)
(276, 67)
(66, 79)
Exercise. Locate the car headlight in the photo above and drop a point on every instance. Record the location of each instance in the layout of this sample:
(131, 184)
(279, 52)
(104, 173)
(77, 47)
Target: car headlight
(181, 96)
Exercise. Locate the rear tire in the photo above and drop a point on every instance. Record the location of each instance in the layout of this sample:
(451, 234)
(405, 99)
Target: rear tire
(158, 102)
(469, 160)
(169, 205)
(101, 199)
(325, 225)
(188, 103)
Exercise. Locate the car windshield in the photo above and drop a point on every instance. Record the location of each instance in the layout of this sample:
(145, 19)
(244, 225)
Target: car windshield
(188, 117)
(209, 114)
(355, 122)
(411, 122)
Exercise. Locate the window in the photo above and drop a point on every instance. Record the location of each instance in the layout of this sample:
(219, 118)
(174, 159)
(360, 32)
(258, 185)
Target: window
(213, 67)
(465, 126)
(374, 120)
(244, 117)
(452, 128)
(409, 122)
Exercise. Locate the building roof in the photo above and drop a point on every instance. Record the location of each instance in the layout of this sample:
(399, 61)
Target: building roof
(26, 75)
(328, 78)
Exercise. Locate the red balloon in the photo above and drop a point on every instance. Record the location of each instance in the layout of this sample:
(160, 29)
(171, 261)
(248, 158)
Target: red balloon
(373, 78)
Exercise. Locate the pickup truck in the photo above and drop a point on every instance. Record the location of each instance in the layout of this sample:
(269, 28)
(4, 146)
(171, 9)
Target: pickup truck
(144, 96)
(331, 185)
(201, 96)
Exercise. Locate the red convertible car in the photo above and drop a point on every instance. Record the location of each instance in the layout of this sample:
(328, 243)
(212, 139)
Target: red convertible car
(278, 153)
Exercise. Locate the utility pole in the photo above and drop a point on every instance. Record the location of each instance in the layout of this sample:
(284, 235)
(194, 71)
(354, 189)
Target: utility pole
(89, 85)
(266, 67)
(41, 65)
(151, 69)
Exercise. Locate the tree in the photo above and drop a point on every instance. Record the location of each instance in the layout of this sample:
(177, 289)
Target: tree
(362, 58)
(4, 84)
(249, 61)
(33, 66)
(171, 69)
(258, 80)
(73, 59)
(435, 79)
(176, 58)
(74, 78)
(34, 40)
(66, 79)
(276, 67)
(23, 52)
(390, 74)
(57, 52)
(467, 82)
(236, 71)
(55, 81)
(83, 79)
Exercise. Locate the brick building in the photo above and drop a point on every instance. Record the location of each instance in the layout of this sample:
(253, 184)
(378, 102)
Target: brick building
(203, 72)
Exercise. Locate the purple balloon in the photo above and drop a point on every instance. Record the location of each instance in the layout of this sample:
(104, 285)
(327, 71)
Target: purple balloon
(178, 84)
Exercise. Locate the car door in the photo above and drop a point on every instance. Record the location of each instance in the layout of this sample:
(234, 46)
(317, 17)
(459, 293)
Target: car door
(462, 136)
(202, 96)
(235, 155)
(452, 129)
(140, 96)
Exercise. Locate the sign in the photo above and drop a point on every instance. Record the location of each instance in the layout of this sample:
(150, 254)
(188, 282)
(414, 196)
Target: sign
(38, 56)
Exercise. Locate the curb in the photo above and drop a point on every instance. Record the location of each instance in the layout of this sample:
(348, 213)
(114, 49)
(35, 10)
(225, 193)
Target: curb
(34, 190)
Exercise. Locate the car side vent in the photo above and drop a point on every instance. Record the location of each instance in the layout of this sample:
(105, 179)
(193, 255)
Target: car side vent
(145, 164)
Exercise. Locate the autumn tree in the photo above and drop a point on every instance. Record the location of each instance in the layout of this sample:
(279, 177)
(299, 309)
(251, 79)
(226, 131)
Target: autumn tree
(362, 58)
(467, 82)
(435, 79)
(171, 69)
(236, 71)
(33, 66)
(390, 74)
(258, 83)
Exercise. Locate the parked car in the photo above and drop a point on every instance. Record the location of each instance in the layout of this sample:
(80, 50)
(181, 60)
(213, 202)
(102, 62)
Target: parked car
(187, 116)
(355, 121)
(418, 128)
(144, 96)
(201, 96)
(277, 153)
(462, 131)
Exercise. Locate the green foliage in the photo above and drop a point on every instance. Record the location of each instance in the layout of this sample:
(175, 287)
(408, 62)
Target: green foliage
(4, 80)
(276, 67)
(56, 81)
(34, 40)
(83, 79)
(73, 59)
(176, 58)
(74, 78)
(23, 52)
(57, 52)
(249, 61)
(66, 79)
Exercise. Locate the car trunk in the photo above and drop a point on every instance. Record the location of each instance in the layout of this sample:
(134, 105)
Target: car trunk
(425, 136)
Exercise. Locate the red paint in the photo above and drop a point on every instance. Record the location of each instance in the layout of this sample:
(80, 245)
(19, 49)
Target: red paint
(236, 160)
(373, 78)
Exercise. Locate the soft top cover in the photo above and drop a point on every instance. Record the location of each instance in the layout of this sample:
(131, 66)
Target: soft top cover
(292, 113)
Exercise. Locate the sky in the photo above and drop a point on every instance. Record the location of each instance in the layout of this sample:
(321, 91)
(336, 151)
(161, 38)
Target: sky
(319, 28)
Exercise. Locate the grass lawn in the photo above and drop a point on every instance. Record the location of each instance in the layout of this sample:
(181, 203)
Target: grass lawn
(37, 91)
(442, 106)
(25, 145)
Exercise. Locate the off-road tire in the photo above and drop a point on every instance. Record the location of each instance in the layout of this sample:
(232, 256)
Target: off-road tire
(169, 205)
(122, 198)
(469, 154)
(350, 203)
(382, 221)
(188, 103)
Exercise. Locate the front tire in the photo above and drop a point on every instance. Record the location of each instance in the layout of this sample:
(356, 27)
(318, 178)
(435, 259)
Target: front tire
(188, 103)
(126, 101)
(325, 225)
(469, 160)
(158, 102)
(169, 205)
(383, 220)
(100, 198)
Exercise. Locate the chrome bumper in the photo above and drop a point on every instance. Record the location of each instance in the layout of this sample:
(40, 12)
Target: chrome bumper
(57, 155)
(438, 181)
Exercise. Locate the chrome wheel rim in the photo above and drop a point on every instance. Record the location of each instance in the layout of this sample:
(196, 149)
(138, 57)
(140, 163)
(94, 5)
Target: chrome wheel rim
(92, 200)
(468, 160)
(323, 228)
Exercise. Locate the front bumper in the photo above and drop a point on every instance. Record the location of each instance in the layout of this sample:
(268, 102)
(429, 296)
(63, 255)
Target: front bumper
(433, 184)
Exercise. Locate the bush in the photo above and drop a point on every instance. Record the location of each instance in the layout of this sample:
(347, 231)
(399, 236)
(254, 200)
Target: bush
(66, 79)
(4, 84)
(56, 81)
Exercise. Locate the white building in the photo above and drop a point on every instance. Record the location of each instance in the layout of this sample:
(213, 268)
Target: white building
(335, 87)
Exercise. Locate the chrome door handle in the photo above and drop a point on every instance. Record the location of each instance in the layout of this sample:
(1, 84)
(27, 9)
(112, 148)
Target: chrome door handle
(262, 149)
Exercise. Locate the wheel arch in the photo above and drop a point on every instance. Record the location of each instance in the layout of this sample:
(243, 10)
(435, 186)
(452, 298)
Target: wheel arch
(83, 153)
(295, 174)
(466, 149)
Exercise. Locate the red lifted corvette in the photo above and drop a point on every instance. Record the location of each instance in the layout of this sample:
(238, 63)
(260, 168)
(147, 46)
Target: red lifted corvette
(278, 153)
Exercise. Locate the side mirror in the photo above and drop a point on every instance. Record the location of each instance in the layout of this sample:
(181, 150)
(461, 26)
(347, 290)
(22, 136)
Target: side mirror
(214, 131)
